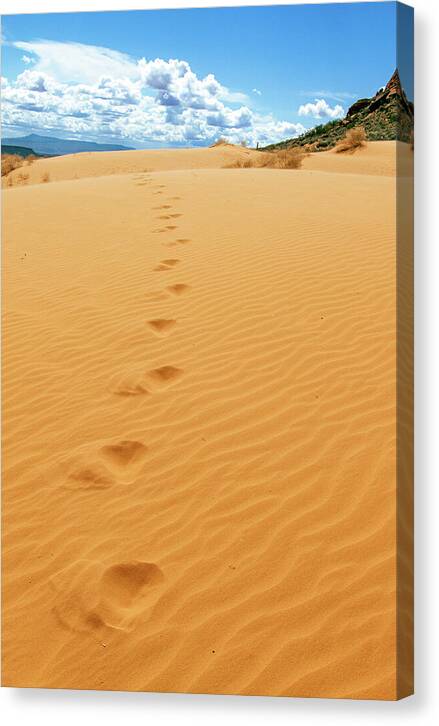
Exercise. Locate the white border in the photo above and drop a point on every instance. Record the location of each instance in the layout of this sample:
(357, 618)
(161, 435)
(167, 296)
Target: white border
(53, 6)
(47, 708)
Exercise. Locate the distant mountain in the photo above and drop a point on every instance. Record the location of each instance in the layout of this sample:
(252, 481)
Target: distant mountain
(387, 116)
(22, 151)
(52, 146)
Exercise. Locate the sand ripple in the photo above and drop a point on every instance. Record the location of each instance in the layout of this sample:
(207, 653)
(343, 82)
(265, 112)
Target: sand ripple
(200, 445)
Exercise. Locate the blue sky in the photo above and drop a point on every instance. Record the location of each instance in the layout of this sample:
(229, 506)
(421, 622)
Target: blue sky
(185, 77)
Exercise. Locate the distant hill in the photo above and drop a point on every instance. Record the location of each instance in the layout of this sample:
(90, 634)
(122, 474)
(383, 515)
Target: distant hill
(51, 146)
(22, 151)
(386, 116)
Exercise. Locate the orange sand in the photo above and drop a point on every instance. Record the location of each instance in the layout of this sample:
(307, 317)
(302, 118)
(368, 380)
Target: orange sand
(200, 425)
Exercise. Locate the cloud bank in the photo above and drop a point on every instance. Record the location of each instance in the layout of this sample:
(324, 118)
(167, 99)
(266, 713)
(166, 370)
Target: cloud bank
(92, 92)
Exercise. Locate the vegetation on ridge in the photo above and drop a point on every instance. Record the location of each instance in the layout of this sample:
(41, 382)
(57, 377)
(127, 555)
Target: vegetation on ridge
(386, 116)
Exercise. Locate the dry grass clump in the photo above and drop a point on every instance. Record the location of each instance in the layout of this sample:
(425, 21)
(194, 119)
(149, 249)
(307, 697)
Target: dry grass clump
(354, 139)
(282, 159)
(242, 163)
(285, 158)
(45, 178)
(22, 178)
(11, 162)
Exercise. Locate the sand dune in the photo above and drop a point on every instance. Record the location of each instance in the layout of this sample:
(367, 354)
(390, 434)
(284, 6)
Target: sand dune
(379, 158)
(199, 396)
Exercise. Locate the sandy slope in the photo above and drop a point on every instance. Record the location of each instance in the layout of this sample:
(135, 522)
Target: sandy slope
(378, 158)
(199, 395)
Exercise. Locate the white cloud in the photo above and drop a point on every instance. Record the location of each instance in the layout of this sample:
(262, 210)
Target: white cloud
(321, 109)
(233, 96)
(99, 93)
(77, 62)
(26, 59)
(228, 118)
(257, 91)
(162, 74)
(36, 81)
(178, 84)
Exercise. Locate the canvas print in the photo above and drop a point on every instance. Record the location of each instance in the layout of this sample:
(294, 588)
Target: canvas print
(207, 222)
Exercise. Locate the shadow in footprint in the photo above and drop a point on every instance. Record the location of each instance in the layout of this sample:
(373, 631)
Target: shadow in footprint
(166, 265)
(90, 597)
(92, 476)
(178, 289)
(129, 386)
(124, 454)
(162, 326)
(123, 583)
(165, 374)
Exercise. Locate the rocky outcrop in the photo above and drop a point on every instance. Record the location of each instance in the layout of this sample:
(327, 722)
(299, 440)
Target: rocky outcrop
(388, 115)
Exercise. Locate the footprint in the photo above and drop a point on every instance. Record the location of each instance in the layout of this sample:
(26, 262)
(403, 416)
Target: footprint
(92, 469)
(175, 216)
(91, 476)
(129, 386)
(165, 374)
(166, 265)
(183, 241)
(130, 453)
(163, 206)
(90, 597)
(161, 325)
(178, 289)
(160, 230)
(122, 584)
(174, 198)
(124, 454)
(131, 390)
